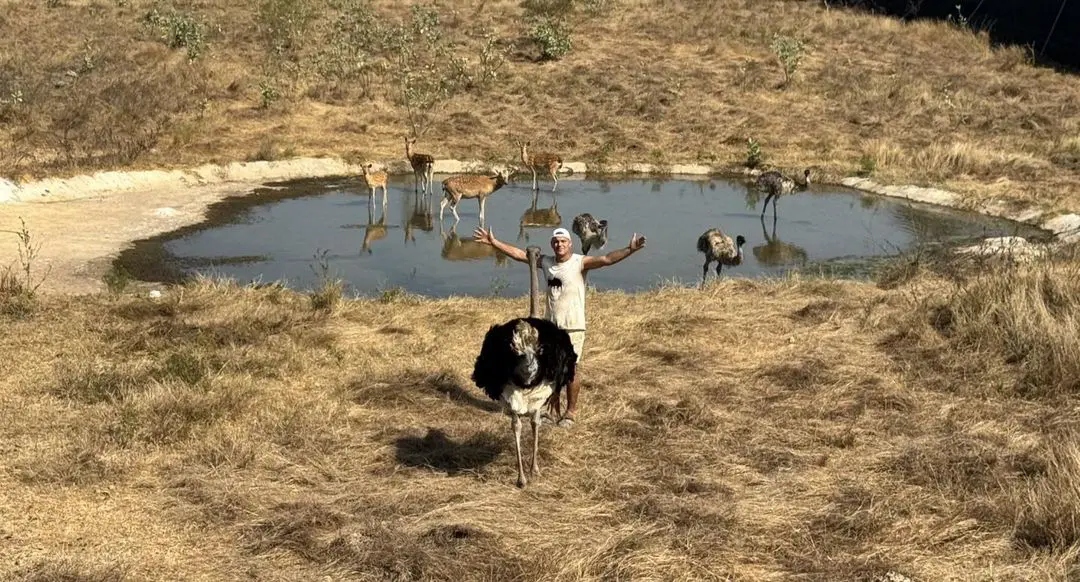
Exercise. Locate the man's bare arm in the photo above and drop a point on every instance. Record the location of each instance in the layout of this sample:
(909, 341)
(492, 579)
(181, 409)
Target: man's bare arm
(591, 262)
(485, 236)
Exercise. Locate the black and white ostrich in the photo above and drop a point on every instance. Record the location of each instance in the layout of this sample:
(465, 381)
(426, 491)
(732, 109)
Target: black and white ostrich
(775, 184)
(719, 247)
(524, 363)
(591, 232)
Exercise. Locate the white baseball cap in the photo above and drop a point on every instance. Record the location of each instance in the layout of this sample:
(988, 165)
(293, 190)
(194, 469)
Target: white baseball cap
(560, 232)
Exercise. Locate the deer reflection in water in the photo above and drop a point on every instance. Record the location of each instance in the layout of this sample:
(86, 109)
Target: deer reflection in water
(374, 230)
(420, 217)
(539, 217)
(777, 253)
(455, 248)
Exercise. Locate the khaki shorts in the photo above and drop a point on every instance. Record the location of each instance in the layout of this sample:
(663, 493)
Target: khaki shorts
(578, 339)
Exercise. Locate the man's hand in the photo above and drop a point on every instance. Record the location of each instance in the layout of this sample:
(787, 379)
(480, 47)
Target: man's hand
(481, 235)
(637, 242)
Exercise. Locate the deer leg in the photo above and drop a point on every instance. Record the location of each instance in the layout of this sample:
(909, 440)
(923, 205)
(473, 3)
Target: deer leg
(515, 423)
(535, 187)
(442, 205)
(536, 442)
(556, 178)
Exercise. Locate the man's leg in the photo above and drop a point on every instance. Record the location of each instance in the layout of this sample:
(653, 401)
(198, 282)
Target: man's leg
(578, 339)
(571, 397)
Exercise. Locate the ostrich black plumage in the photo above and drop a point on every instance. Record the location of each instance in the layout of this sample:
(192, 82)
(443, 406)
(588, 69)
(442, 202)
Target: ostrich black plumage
(525, 363)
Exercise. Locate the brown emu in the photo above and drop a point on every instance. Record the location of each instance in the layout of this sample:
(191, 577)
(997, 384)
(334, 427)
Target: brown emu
(775, 184)
(719, 247)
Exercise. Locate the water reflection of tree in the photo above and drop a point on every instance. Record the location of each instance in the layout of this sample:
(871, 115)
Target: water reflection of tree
(539, 217)
(777, 253)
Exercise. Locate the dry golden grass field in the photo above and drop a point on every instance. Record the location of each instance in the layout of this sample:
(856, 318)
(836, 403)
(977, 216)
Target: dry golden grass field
(673, 81)
(799, 429)
(923, 424)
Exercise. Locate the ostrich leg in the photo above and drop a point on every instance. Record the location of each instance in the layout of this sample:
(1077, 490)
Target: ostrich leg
(536, 442)
(515, 423)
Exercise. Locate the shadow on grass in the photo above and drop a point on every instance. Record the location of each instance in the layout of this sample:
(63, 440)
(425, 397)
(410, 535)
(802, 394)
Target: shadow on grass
(437, 451)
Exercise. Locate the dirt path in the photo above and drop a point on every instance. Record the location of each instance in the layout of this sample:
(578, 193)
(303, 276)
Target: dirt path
(79, 238)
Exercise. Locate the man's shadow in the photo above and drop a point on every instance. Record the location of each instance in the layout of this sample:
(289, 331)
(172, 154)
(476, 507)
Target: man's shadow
(437, 451)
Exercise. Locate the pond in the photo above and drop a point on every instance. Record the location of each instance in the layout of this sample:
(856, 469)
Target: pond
(297, 232)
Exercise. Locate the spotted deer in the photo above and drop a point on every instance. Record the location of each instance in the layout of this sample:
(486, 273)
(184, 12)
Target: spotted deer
(546, 161)
(374, 180)
(478, 186)
(422, 165)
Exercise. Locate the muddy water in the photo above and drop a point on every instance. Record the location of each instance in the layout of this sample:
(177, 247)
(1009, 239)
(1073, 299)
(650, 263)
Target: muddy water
(297, 232)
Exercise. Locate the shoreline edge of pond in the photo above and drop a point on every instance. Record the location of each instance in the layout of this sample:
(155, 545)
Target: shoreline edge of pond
(218, 182)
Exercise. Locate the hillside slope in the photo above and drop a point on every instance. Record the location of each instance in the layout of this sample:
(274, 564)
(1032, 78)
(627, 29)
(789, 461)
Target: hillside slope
(95, 84)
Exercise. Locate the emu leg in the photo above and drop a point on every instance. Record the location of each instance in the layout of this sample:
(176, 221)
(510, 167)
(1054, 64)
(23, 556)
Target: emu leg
(765, 206)
(536, 442)
(775, 198)
(704, 273)
(718, 266)
(515, 423)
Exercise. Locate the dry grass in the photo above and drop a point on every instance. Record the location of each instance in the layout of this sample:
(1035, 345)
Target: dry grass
(756, 430)
(947, 109)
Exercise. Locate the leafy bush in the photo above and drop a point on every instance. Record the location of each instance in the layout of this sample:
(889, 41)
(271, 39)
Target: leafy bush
(178, 30)
(789, 53)
(552, 35)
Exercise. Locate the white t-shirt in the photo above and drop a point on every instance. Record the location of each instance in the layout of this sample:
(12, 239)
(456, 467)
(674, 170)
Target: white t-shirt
(565, 291)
